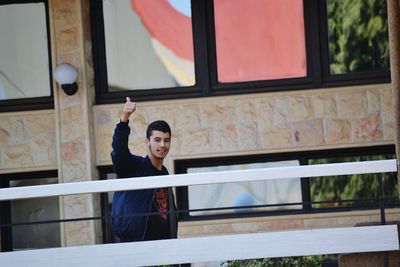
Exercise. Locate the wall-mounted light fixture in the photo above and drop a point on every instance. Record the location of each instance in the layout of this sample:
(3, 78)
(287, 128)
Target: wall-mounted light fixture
(65, 75)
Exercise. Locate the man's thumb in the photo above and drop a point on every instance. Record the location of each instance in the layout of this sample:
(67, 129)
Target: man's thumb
(128, 99)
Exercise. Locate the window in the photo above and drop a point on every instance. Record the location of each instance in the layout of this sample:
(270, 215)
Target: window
(148, 45)
(19, 228)
(259, 40)
(355, 39)
(25, 78)
(153, 50)
(356, 190)
(243, 194)
(317, 194)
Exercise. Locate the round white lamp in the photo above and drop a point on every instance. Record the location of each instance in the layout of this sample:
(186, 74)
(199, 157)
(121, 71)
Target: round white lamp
(65, 75)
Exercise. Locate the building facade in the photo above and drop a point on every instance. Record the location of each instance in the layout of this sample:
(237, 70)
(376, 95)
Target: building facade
(70, 141)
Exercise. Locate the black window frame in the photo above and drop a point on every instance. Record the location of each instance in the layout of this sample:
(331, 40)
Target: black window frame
(182, 165)
(316, 38)
(32, 103)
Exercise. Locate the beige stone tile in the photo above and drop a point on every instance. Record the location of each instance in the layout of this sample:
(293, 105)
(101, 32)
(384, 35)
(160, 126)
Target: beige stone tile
(176, 142)
(160, 113)
(373, 100)
(279, 225)
(301, 108)
(67, 39)
(138, 124)
(72, 57)
(190, 231)
(324, 105)
(72, 124)
(17, 131)
(308, 133)
(272, 112)
(337, 131)
(15, 156)
(388, 132)
(102, 116)
(188, 117)
(369, 128)
(217, 113)
(71, 115)
(197, 141)
(339, 221)
(226, 138)
(247, 227)
(5, 130)
(279, 136)
(138, 147)
(65, 12)
(39, 124)
(386, 104)
(386, 100)
(103, 147)
(78, 233)
(75, 171)
(77, 206)
(43, 147)
(73, 151)
(248, 137)
(217, 229)
(246, 112)
(352, 104)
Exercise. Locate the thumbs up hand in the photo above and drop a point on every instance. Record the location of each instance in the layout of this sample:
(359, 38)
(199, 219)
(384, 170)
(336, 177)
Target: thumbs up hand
(128, 109)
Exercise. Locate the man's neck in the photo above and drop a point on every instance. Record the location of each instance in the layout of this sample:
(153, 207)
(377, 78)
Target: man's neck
(157, 163)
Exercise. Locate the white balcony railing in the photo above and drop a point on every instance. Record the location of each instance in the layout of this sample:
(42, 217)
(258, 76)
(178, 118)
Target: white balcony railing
(214, 248)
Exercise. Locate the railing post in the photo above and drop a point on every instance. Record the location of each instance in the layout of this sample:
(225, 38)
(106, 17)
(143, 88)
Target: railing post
(394, 48)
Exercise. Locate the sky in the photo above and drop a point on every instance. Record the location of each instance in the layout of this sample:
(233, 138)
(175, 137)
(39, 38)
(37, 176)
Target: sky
(182, 6)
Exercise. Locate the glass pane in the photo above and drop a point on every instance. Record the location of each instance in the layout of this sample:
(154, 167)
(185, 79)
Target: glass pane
(358, 36)
(24, 73)
(35, 209)
(148, 44)
(259, 40)
(353, 190)
(244, 193)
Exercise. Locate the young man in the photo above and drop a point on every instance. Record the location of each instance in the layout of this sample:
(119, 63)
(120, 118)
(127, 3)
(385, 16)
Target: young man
(130, 218)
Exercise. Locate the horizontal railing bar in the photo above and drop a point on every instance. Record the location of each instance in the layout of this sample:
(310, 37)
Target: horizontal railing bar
(214, 248)
(288, 212)
(274, 173)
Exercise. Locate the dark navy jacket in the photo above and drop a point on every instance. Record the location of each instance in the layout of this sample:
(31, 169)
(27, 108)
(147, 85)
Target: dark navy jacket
(127, 203)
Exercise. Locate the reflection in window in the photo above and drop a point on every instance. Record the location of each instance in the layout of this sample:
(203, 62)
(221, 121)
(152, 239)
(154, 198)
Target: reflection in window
(148, 44)
(356, 189)
(244, 193)
(259, 40)
(358, 36)
(36, 209)
(24, 60)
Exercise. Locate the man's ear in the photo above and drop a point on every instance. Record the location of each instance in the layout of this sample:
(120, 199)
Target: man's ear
(147, 141)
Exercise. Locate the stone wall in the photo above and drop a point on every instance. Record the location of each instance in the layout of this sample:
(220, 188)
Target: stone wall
(285, 222)
(259, 123)
(27, 141)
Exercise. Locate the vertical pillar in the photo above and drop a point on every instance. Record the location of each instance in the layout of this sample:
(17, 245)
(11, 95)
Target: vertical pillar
(75, 136)
(394, 48)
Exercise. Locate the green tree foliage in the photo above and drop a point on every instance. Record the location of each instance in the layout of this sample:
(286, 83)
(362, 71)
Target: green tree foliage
(358, 35)
(357, 186)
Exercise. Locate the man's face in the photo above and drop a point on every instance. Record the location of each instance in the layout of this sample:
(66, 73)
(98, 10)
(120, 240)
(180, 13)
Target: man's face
(159, 144)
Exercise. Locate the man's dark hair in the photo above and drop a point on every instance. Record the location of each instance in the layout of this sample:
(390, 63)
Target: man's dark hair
(159, 125)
